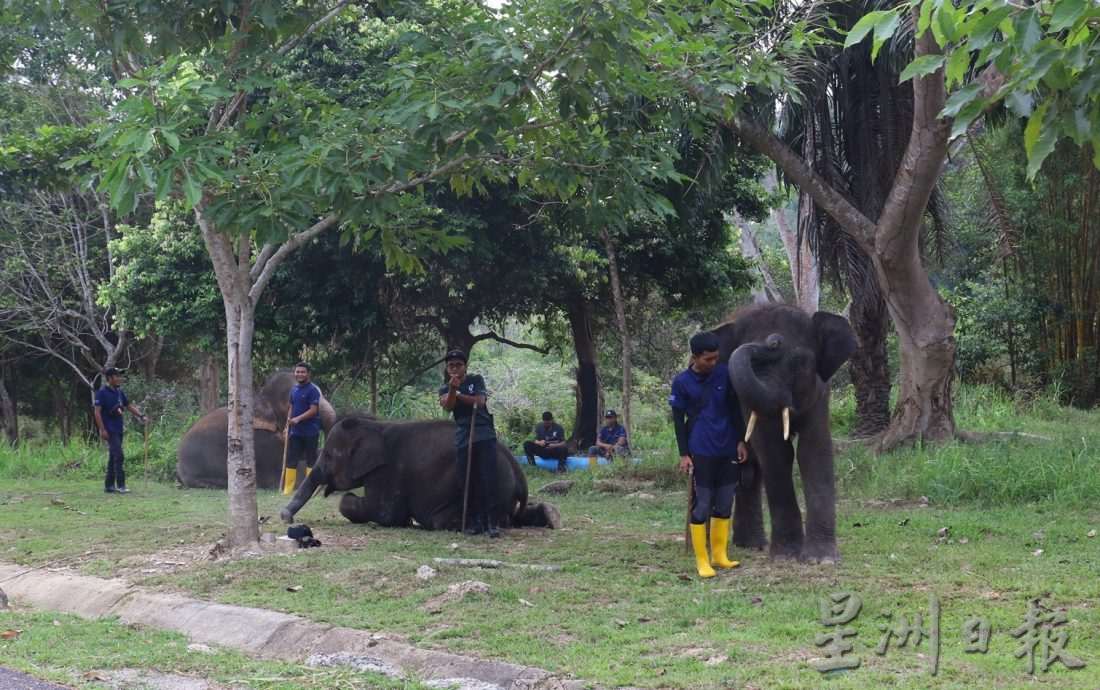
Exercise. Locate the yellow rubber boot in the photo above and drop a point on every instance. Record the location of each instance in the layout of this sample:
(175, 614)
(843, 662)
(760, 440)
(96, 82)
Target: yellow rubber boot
(308, 470)
(592, 462)
(288, 481)
(699, 544)
(719, 539)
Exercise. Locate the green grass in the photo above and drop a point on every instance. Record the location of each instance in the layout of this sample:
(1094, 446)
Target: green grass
(983, 528)
(84, 653)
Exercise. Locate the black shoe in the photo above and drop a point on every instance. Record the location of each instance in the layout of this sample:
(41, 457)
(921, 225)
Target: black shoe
(122, 490)
(530, 460)
(494, 528)
(110, 490)
(474, 527)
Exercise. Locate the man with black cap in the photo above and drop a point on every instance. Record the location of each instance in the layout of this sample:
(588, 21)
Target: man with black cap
(549, 442)
(110, 403)
(611, 440)
(464, 395)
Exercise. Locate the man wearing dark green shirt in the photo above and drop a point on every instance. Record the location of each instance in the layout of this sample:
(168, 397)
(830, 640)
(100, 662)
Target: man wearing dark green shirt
(464, 395)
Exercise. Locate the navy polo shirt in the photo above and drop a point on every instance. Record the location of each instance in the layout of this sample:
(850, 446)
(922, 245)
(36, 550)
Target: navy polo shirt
(713, 434)
(555, 434)
(473, 384)
(112, 405)
(301, 399)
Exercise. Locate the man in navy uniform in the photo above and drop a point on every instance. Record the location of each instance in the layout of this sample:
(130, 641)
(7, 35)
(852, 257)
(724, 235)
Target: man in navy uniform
(110, 403)
(709, 427)
(303, 425)
(549, 443)
(611, 440)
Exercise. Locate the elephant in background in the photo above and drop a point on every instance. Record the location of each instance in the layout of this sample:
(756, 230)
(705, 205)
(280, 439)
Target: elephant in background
(780, 360)
(200, 461)
(408, 473)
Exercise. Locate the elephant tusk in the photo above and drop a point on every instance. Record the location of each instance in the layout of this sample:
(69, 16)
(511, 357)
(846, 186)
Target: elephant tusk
(786, 423)
(751, 426)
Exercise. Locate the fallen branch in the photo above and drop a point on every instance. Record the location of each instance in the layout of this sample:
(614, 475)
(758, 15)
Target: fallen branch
(488, 563)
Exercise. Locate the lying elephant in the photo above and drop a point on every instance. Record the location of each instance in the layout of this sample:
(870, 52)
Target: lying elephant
(407, 471)
(780, 359)
(200, 461)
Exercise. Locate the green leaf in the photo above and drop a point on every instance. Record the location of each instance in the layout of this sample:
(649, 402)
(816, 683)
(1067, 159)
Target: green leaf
(192, 190)
(1021, 102)
(172, 139)
(1076, 122)
(884, 30)
(1039, 140)
(1066, 13)
(863, 27)
(922, 66)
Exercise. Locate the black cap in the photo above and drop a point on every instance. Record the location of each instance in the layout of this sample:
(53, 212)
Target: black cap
(610, 413)
(112, 371)
(547, 416)
(454, 354)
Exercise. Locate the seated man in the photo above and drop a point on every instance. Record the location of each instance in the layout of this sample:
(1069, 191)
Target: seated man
(549, 442)
(611, 441)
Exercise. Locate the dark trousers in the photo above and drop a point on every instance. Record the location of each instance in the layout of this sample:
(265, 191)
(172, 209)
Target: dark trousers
(716, 481)
(531, 449)
(483, 498)
(301, 448)
(115, 460)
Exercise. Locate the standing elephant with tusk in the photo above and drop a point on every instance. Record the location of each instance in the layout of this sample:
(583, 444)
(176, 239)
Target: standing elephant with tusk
(200, 461)
(780, 362)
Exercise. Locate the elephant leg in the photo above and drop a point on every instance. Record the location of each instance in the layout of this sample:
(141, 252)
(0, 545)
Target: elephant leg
(381, 507)
(302, 495)
(541, 515)
(815, 464)
(777, 460)
(748, 508)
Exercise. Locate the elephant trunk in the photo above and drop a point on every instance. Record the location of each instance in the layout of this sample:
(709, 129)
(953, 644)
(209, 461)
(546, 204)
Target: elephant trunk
(305, 492)
(763, 393)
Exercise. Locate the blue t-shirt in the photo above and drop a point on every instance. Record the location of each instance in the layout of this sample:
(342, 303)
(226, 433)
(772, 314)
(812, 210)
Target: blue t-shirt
(301, 399)
(713, 434)
(612, 434)
(112, 405)
(484, 430)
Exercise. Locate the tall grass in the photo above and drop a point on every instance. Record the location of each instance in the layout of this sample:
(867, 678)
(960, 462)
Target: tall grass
(1044, 452)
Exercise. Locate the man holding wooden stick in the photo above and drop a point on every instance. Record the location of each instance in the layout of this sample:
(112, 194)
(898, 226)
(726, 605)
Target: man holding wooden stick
(464, 395)
(709, 425)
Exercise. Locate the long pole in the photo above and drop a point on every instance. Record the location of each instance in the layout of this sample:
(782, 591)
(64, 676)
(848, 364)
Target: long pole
(469, 461)
(687, 520)
(286, 442)
(145, 433)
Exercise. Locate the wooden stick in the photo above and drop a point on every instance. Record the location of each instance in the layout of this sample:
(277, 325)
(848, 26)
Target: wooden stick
(487, 563)
(145, 433)
(687, 520)
(286, 443)
(469, 461)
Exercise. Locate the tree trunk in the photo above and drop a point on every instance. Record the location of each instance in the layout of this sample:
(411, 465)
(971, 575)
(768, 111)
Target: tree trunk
(869, 366)
(805, 273)
(620, 319)
(8, 417)
(235, 284)
(589, 392)
(209, 382)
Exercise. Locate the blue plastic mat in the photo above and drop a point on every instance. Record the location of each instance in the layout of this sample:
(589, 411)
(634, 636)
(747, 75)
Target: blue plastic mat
(573, 462)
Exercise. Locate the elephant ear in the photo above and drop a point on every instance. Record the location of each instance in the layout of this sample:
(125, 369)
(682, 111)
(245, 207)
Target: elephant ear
(836, 342)
(728, 340)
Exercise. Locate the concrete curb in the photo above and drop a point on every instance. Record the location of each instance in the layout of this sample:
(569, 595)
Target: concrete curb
(255, 632)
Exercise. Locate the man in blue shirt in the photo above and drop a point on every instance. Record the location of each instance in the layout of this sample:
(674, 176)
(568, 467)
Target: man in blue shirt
(110, 403)
(304, 425)
(709, 428)
(611, 440)
(464, 395)
(549, 443)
